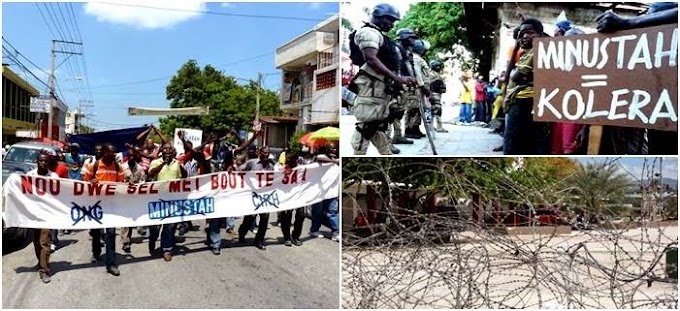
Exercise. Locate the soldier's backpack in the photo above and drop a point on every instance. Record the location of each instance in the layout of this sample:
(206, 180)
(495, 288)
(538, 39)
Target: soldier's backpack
(355, 52)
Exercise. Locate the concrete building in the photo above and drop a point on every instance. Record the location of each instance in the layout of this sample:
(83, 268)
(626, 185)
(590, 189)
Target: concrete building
(18, 122)
(311, 75)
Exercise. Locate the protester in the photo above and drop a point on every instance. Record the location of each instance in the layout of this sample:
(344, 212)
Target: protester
(262, 164)
(42, 237)
(480, 97)
(165, 168)
(466, 99)
(105, 170)
(135, 173)
(522, 135)
(285, 217)
(328, 206)
(228, 162)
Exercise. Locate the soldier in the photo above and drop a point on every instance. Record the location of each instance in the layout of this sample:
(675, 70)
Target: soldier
(409, 98)
(423, 77)
(437, 87)
(374, 84)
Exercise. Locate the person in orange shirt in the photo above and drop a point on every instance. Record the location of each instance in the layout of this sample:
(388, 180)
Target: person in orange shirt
(105, 169)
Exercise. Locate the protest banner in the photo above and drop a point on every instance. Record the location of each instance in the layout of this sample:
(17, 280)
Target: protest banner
(628, 78)
(194, 136)
(53, 203)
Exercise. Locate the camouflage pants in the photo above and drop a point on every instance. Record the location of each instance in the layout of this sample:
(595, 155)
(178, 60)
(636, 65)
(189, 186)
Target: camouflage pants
(380, 140)
(411, 103)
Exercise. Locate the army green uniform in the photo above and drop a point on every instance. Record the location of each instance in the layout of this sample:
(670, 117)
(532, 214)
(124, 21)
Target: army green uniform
(437, 101)
(371, 105)
(423, 76)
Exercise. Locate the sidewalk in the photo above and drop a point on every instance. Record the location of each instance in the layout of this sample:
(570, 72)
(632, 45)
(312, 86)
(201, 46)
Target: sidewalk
(469, 140)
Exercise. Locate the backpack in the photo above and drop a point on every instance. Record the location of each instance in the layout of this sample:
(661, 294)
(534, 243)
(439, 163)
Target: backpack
(355, 52)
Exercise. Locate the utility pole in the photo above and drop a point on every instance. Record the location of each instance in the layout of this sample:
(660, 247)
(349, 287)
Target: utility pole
(79, 115)
(51, 81)
(257, 98)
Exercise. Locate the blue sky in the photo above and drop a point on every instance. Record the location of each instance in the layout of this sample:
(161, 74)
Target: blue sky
(634, 166)
(124, 44)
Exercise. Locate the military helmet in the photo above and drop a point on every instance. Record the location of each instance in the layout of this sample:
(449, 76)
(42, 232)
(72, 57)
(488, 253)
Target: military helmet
(405, 33)
(436, 64)
(385, 9)
(420, 47)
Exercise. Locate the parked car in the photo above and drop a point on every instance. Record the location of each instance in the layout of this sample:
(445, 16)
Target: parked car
(20, 157)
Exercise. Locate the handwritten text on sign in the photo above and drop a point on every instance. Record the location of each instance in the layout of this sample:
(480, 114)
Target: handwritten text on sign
(51, 203)
(628, 78)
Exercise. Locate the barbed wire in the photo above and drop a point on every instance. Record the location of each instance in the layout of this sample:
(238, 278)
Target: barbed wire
(469, 255)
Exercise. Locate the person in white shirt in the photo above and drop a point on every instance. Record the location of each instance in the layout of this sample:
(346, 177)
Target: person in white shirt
(42, 239)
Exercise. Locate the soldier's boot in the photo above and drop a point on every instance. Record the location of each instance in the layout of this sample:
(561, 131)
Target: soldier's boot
(394, 149)
(439, 128)
(401, 140)
(416, 131)
(410, 133)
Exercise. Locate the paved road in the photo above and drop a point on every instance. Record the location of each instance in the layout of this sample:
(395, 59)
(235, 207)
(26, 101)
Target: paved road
(460, 140)
(241, 277)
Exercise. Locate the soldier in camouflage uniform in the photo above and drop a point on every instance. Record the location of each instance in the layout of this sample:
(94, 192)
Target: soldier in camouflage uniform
(423, 77)
(437, 86)
(409, 97)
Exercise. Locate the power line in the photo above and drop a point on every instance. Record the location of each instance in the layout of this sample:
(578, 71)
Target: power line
(216, 13)
(168, 77)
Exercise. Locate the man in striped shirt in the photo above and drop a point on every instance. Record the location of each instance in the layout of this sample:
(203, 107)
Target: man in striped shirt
(105, 170)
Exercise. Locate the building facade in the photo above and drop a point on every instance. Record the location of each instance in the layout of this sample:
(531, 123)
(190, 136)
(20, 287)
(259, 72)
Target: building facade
(311, 75)
(16, 115)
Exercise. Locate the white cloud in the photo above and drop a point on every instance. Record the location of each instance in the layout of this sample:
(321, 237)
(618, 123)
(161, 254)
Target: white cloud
(130, 14)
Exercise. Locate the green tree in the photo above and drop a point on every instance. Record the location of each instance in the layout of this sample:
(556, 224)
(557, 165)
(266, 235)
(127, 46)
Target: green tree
(232, 106)
(594, 186)
(440, 23)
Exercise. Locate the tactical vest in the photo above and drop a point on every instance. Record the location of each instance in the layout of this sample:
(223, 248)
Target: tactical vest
(405, 57)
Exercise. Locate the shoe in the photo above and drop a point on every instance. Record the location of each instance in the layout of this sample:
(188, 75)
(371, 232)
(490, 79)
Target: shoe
(94, 259)
(419, 133)
(242, 239)
(412, 136)
(261, 246)
(126, 249)
(316, 234)
(53, 248)
(230, 231)
(254, 230)
(216, 251)
(141, 232)
(152, 248)
(182, 230)
(441, 130)
(394, 150)
(335, 237)
(113, 270)
(167, 256)
(498, 149)
(288, 243)
(297, 242)
(401, 140)
(45, 278)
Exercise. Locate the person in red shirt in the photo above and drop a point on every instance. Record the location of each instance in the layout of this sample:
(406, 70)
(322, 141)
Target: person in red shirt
(480, 97)
(105, 169)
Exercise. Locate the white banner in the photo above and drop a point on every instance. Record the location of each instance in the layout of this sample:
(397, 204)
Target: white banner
(194, 136)
(53, 203)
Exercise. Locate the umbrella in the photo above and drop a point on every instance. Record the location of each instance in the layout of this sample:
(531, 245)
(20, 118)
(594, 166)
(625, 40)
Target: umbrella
(326, 133)
(305, 140)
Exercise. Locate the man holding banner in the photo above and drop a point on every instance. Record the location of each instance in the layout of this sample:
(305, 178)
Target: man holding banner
(106, 169)
(165, 168)
(42, 237)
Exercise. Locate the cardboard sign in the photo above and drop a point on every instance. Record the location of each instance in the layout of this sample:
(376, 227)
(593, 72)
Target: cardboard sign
(194, 136)
(628, 78)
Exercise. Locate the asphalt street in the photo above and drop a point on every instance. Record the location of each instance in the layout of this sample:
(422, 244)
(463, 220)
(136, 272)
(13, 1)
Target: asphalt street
(241, 277)
(460, 140)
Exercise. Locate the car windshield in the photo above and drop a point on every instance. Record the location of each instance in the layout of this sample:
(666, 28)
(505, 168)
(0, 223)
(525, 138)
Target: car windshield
(24, 155)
